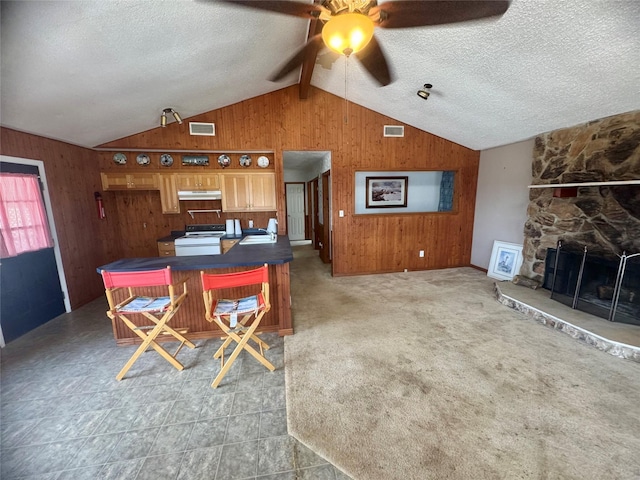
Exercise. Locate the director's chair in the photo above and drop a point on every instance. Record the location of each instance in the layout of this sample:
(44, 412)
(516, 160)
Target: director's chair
(159, 310)
(239, 318)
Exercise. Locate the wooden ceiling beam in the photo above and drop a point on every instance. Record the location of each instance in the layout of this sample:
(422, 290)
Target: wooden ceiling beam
(315, 27)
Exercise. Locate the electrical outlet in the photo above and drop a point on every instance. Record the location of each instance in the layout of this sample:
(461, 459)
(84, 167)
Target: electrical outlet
(421, 253)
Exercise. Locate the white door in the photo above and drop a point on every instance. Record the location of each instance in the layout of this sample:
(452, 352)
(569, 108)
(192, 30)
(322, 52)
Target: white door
(295, 211)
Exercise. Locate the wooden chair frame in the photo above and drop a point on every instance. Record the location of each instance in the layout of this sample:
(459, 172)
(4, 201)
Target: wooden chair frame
(243, 331)
(115, 281)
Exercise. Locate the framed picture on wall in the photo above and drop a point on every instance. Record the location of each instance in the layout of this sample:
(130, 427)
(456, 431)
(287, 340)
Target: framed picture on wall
(506, 259)
(386, 192)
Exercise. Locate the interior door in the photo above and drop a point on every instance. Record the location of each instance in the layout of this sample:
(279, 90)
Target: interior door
(31, 293)
(295, 210)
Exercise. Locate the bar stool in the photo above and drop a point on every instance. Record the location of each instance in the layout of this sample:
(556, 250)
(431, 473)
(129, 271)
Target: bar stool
(158, 310)
(237, 318)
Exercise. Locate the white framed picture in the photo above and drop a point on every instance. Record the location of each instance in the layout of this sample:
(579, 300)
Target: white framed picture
(506, 259)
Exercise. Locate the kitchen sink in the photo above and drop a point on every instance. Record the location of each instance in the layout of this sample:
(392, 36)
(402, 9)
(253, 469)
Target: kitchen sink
(257, 240)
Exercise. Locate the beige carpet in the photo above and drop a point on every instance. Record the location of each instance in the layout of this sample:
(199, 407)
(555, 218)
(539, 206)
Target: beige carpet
(423, 375)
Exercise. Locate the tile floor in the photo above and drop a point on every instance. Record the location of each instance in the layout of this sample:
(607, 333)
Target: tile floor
(65, 416)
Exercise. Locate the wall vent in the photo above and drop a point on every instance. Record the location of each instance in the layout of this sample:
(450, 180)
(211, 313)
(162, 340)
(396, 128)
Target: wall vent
(207, 129)
(393, 131)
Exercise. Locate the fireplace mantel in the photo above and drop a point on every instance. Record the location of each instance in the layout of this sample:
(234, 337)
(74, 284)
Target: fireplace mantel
(586, 184)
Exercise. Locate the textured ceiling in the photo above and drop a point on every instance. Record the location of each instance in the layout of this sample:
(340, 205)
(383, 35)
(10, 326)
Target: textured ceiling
(94, 71)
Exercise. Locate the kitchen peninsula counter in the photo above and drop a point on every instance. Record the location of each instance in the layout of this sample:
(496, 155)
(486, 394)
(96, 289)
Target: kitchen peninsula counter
(240, 257)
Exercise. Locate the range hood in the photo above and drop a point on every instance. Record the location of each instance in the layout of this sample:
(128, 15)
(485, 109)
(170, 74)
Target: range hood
(199, 195)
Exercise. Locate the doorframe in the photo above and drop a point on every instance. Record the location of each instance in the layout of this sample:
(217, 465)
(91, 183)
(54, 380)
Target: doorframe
(316, 213)
(325, 252)
(52, 227)
(308, 221)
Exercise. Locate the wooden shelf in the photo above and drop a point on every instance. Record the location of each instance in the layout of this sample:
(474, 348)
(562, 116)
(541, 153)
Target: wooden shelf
(587, 184)
(159, 150)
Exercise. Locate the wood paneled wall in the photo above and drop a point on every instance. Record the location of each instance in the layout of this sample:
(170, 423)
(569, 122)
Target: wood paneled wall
(280, 121)
(73, 175)
(271, 123)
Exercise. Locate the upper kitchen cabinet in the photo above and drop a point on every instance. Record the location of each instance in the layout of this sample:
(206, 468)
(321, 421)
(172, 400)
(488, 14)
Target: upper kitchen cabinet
(169, 194)
(248, 192)
(198, 181)
(129, 181)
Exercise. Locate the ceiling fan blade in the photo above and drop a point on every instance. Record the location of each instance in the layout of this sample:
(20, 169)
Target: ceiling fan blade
(304, 10)
(309, 49)
(411, 13)
(373, 59)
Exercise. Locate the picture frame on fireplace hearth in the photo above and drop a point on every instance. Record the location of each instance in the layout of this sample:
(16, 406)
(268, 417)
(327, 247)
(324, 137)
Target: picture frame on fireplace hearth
(506, 259)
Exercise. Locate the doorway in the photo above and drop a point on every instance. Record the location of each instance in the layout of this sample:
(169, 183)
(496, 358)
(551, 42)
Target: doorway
(33, 286)
(306, 168)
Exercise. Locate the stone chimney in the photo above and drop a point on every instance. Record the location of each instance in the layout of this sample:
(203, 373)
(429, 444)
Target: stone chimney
(604, 218)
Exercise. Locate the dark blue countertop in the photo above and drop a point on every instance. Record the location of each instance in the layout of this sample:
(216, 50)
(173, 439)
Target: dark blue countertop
(239, 256)
(247, 231)
(170, 238)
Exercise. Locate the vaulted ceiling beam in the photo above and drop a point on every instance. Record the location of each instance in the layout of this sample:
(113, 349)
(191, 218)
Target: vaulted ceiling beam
(315, 27)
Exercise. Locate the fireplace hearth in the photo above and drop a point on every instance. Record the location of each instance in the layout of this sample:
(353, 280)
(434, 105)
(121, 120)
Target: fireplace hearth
(606, 288)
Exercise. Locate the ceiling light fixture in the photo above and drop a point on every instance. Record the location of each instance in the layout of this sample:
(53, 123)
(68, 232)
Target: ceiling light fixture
(425, 92)
(347, 33)
(163, 117)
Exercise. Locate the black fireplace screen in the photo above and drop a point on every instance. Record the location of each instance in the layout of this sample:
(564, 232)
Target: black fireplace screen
(595, 285)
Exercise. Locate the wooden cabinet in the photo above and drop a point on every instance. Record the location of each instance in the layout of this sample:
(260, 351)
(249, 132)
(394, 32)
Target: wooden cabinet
(227, 243)
(169, 193)
(129, 181)
(248, 192)
(198, 181)
(166, 249)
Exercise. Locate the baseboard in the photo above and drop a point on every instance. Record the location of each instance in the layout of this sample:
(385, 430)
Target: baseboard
(478, 268)
(296, 243)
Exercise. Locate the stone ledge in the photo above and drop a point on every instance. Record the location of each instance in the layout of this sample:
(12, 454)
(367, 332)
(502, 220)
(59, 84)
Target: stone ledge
(611, 347)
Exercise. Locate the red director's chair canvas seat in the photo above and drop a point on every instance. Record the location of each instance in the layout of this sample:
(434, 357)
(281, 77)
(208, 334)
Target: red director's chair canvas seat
(135, 308)
(237, 318)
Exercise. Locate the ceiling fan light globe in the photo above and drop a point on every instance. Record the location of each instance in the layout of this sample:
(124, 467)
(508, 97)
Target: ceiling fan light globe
(348, 33)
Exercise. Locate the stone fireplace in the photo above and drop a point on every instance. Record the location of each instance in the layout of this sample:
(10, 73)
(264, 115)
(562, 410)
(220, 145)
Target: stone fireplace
(595, 285)
(604, 218)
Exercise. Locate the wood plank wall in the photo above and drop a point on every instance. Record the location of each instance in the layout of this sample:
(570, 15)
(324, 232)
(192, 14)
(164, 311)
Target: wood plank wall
(280, 121)
(273, 122)
(73, 175)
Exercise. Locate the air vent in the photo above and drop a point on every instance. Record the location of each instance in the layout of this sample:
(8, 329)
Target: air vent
(393, 131)
(207, 129)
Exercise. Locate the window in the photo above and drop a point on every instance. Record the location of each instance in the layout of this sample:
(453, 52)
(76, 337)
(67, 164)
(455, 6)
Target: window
(23, 220)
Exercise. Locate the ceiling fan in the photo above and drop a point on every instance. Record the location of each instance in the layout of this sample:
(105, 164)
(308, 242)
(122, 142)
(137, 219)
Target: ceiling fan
(349, 24)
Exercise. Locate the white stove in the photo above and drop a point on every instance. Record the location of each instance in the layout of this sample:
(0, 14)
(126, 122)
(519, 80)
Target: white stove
(200, 240)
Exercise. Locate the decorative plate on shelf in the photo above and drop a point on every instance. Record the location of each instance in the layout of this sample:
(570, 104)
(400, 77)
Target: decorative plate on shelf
(263, 161)
(245, 160)
(166, 160)
(120, 158)
(224, 161)
(143, 159)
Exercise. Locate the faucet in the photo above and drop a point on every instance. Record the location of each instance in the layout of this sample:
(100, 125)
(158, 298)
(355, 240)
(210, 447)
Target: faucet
(272, 235)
